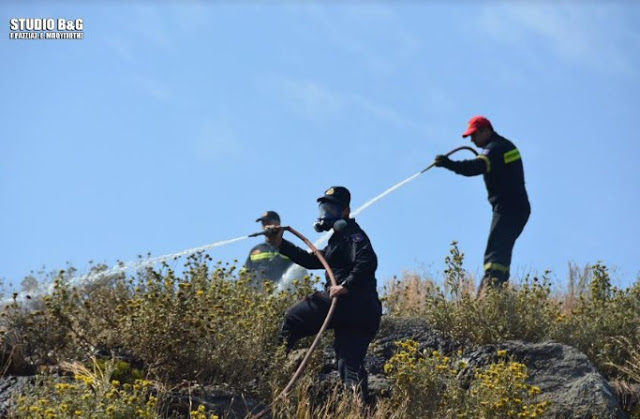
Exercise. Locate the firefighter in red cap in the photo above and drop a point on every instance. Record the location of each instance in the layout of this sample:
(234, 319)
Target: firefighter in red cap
(501, 166)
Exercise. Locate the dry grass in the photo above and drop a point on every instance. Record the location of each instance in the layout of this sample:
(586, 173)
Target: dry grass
(207, 325)
(591, 316)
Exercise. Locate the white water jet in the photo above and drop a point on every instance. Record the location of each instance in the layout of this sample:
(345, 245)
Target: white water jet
(121, 268)
(293, 271)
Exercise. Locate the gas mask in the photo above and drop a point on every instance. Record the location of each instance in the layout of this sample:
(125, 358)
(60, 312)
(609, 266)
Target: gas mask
(329, 216)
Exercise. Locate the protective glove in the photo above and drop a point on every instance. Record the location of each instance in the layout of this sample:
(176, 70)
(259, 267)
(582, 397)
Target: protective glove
(442, 161)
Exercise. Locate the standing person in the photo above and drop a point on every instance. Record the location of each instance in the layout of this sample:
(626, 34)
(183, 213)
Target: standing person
(357, 317)
(501, 165)
(264, 261)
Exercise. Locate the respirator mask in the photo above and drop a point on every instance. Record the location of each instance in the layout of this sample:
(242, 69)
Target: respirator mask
(329, 216)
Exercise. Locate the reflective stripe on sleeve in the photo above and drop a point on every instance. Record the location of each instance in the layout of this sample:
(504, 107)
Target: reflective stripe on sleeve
(487, 162)
(511, 156)
(266, 255)
(263, 255)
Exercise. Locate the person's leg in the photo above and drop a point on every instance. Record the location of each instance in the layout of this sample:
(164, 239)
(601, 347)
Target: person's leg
(305, 318)
(351, 347)
(505, 229)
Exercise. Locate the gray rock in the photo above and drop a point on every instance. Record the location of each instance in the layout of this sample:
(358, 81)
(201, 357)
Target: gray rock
(381, 350)
(217, 400)
(565, 375)
(11, 386)
(395, 329)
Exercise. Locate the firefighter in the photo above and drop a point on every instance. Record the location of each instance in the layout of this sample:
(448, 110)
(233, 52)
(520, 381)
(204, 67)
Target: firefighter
(500, 164)
(264, 262)
(357, 318)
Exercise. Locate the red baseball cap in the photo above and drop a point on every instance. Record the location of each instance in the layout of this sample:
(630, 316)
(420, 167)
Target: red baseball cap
(475, 124)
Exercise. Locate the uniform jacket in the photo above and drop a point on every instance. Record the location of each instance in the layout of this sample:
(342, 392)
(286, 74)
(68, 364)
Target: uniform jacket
(266, 263)
(501, 166)
(351, 257)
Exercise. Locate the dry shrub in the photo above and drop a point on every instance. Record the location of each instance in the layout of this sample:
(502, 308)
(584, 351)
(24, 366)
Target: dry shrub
(408, 295)
(338, 404)
(588, 317)
(207, 325)
(426, 385)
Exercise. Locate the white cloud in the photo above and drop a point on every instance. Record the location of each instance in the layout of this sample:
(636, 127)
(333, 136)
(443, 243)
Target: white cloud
(314, 101)
(389, 115)
(153, 88)
(121, 47)
(146, 26)
(217, 141)
(589, 34)
(307, 98)
(154, 26)
(371, 32)
(189, 15)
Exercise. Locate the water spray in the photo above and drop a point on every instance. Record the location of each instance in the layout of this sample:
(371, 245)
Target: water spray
(287, 276)
(86, 279)
(290, 274)
(318, 254)
(124, 267)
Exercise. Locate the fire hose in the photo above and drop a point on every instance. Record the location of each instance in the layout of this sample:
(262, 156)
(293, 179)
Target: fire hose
(324, 326)
(464, 147)
(334, 301)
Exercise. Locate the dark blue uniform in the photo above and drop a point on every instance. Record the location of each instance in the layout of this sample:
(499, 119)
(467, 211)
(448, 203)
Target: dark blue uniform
(357, 317)
(501, 165)
(266, 264)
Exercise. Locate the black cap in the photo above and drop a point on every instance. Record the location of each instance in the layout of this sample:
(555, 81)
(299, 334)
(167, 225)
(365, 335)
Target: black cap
(269, 215)
(338, 194)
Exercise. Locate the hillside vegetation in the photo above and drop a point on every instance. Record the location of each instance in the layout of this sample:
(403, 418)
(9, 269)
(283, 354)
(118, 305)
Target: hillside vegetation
(117, 348)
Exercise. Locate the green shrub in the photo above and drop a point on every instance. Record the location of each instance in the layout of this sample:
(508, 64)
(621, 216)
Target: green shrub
(599, 319)
(208, 324)
(426, 385)
(525, 312)
(90, 394)
(590, 320)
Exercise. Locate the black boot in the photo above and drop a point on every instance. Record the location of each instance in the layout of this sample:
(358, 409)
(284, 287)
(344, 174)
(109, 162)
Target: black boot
(492, 279)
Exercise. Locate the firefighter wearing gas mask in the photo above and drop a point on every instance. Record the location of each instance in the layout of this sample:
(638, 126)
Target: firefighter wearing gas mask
(357, 318)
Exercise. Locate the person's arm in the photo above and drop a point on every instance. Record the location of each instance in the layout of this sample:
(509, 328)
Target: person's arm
(299, 256)
(474, 167)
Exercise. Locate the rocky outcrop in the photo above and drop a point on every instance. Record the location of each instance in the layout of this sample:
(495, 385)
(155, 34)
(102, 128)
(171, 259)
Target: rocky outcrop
(223, 401)
(10, 388)
(565, 375)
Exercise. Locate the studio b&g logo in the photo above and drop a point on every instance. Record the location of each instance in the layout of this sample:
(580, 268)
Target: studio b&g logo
(46, 28)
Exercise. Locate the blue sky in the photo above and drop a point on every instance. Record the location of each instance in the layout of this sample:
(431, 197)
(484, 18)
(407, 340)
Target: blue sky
(175, 124)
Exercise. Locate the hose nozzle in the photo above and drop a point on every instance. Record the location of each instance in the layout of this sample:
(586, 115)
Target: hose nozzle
(267, 231)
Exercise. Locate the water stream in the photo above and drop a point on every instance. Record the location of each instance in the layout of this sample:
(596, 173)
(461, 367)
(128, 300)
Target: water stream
(296, 271)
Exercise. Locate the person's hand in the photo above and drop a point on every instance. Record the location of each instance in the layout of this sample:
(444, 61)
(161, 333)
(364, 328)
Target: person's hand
(337, 290)
(273, 233)
(441, 160)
